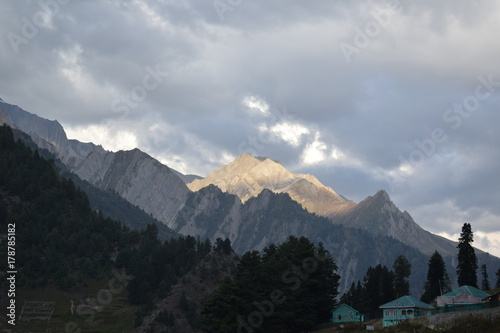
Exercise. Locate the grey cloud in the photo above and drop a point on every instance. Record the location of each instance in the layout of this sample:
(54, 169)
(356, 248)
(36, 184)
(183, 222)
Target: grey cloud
(394, 92)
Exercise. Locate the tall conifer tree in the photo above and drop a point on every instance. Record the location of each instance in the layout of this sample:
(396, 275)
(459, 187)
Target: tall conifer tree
(379, 286)
(485, 283)
(438, 282)
(402, 271)
(467, 261)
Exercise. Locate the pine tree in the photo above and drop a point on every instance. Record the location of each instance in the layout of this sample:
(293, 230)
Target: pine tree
(485, 284)
(402, 271)
(379, 286)
(223, 309)
(467, 261)
(349, 296)
(355, 297)
(290, 288)
(438, 282)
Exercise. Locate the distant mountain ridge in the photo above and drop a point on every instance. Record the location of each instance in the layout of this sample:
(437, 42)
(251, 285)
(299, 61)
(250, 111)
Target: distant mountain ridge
(110, 204)
(247, 176)
(381, 216)
(271, 217)
(249, 200)
(47, 134)
(134, 175)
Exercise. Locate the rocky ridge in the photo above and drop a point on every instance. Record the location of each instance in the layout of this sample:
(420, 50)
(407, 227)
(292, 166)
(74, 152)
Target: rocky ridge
(272, 217)
(47, 134)
(380, 216)
(134, 175)
(248, 200)
(247, 176)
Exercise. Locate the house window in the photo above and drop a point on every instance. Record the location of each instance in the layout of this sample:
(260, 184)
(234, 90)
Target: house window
(403, 312)
(410, 312)
(339, 317)
(391, 313)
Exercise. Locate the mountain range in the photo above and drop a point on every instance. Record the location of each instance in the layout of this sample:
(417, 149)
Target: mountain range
(134, 175)
(247, 176)
(254, 201)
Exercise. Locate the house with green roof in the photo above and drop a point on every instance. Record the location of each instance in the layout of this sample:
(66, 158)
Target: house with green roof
(461, 296)
(346, 314)
(403, 308)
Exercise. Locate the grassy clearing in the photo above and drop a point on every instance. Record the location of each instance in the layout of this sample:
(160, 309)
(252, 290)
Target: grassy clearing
(112, 314)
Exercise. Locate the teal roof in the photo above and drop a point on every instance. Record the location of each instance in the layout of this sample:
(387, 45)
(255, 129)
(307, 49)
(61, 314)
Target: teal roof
(468, 289)
(343, 305)
(406, 302)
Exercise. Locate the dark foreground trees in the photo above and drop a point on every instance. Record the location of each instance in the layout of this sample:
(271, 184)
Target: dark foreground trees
(438, 282)
(379, 286)
(402, 271)
(288, 288)
(485, 283)
(467, 261)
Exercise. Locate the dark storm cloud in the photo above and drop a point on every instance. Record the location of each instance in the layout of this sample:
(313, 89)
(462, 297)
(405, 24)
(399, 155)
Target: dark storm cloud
(173, 76)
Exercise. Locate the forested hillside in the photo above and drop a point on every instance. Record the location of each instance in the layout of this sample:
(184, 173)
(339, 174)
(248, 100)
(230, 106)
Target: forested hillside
(61, 243)
(288, 288)
(111, 204)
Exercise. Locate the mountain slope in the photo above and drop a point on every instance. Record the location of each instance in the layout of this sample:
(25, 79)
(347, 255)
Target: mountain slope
(180, 310)
(110, 204)
(47, 134)
(158, 190)
(134, 175)
(138, 178)
(272, 217)
(258, 204)
(379, 215)
(247, 176)
(68, 254)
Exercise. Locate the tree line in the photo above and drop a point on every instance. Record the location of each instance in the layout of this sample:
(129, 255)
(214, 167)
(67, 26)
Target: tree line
(288, 287)
(381, 285)
(467, 262)
(61, 242)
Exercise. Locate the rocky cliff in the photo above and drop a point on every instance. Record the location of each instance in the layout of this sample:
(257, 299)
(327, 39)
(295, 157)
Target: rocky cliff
(134, 175)
(379, 215)
(272, 217)
(138, 178)
(47, 134)
(253, 200)
(247, 176)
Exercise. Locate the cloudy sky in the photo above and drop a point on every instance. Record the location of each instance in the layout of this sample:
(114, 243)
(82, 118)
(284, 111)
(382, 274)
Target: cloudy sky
(366, 95)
